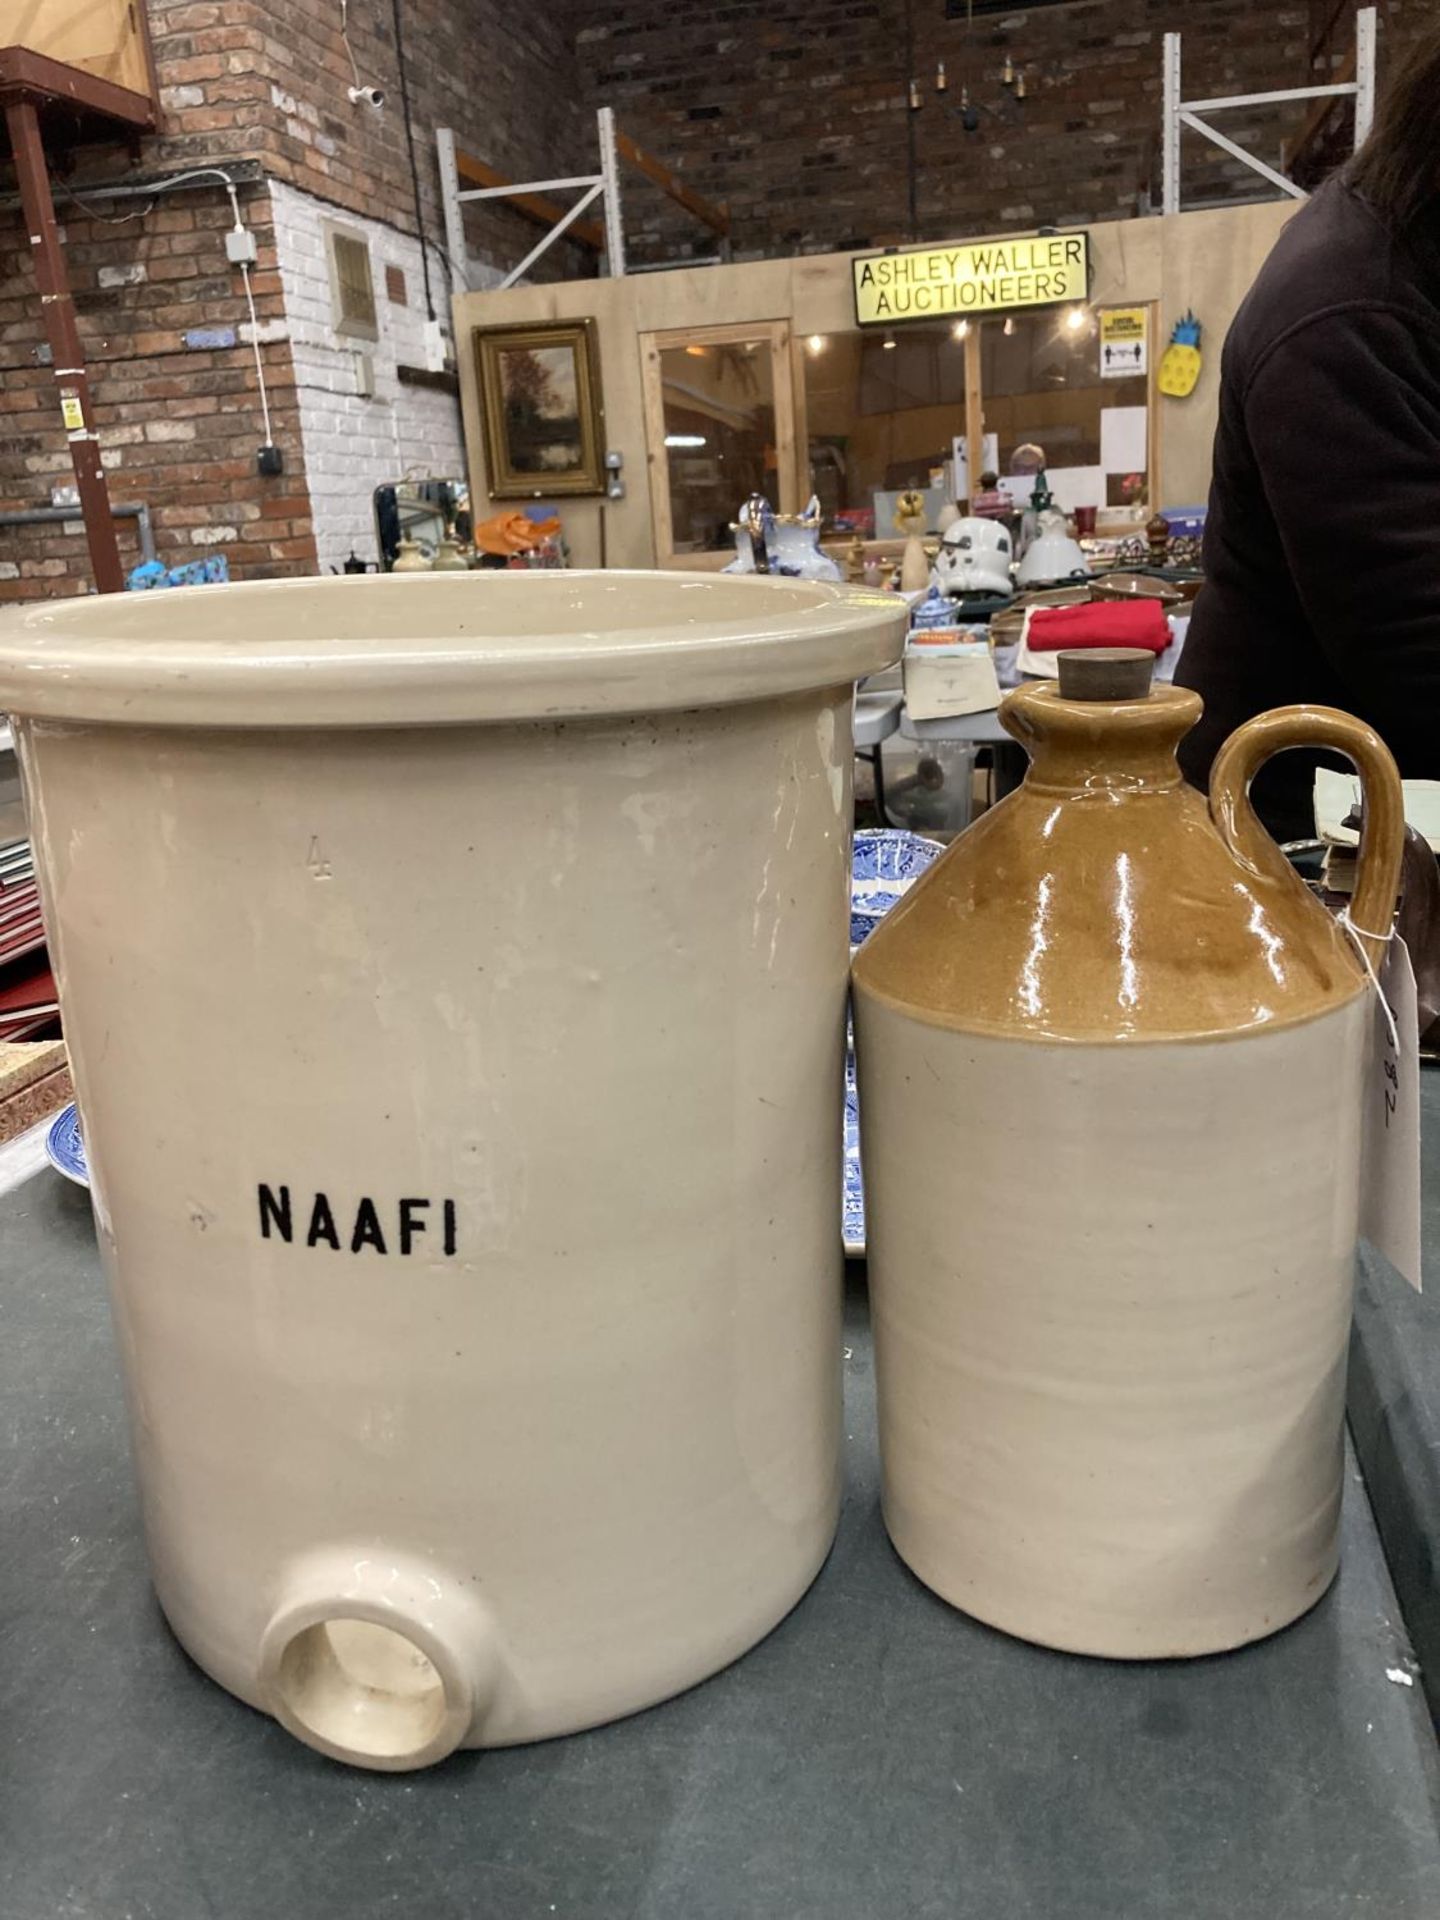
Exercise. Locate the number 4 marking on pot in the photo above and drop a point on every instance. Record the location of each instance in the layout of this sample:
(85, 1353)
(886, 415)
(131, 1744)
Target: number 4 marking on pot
(1390, 1165)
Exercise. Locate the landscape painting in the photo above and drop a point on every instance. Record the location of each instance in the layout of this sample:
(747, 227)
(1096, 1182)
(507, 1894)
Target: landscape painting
(540, 402)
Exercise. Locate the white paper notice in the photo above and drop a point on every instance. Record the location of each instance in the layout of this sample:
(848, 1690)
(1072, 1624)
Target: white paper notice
(989, 462)
(1336, 793)
(1124, 342)
(1124, 446)
(1390, 1131)
(1077, 486)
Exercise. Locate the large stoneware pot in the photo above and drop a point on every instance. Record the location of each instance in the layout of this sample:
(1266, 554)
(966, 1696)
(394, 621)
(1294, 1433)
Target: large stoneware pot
(454, 970)
(1110, 1057)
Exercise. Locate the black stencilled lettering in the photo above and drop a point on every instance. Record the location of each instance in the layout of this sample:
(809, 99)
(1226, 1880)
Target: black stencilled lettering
(411, 1223)
(275, 1212)
(368, 1227)
(322, 1225)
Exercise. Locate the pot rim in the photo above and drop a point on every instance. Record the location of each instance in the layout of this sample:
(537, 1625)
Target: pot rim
(541, 646)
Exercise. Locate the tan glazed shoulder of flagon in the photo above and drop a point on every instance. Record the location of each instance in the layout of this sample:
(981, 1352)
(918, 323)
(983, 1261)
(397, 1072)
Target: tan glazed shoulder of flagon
(1105, 901)
(1110, 1059)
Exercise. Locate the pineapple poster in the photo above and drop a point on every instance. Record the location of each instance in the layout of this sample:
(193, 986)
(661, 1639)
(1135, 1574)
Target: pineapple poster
(1180, 363)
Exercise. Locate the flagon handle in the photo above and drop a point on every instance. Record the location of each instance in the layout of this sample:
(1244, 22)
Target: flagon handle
(1382, 838)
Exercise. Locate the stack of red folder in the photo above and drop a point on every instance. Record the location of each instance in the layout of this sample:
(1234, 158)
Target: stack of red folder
(27, 986)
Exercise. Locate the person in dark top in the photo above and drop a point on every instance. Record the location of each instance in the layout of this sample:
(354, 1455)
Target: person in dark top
(1322, 544)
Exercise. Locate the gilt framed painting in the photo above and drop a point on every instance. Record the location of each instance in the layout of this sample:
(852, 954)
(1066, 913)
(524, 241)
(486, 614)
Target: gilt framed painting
(541, 409)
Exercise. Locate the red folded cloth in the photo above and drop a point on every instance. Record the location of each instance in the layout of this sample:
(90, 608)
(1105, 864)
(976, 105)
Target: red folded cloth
(1100, 623)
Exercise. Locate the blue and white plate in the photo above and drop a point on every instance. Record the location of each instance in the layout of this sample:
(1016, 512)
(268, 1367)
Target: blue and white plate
(886, 863)
(64, 1148)
(852, 1203)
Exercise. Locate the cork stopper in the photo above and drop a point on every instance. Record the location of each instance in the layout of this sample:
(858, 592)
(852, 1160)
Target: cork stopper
(1105, 673)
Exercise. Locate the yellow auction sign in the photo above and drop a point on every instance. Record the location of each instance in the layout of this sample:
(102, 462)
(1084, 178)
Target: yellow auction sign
(992, 276)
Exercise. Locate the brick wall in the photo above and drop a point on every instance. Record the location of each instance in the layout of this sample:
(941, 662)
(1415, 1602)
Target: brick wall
(508, 86)
(796, 112)
(354, 441)
(179, 428)
(264, 80)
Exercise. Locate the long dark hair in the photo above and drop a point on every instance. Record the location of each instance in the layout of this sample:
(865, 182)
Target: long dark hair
(1398, 168)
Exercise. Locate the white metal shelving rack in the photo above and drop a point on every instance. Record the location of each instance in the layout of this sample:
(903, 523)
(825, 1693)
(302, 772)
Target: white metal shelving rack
(1180, 113)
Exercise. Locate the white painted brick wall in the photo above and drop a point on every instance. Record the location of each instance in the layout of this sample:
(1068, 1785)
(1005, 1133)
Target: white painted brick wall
(353, 445)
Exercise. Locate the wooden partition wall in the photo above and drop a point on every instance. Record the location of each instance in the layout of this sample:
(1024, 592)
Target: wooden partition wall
(1202, 261)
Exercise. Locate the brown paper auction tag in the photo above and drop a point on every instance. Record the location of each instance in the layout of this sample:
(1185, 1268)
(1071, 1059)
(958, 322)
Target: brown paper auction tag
(1390, 1163)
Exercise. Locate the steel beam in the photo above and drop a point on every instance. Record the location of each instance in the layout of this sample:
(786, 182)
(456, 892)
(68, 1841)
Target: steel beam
(1336, 91)
(455, 251)
(528, 186)
(1364, 74)
(1170, 133)
(610, 177)
(1238, 152)
(571, 213)
(71, 378)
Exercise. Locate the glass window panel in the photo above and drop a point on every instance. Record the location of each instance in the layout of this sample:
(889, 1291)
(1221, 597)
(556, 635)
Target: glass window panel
(719, 411)
(880, 419)
(1043, 390)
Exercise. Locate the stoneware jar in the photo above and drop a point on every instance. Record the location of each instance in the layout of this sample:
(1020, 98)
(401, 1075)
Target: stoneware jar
(454, 971)
(1110, 1055)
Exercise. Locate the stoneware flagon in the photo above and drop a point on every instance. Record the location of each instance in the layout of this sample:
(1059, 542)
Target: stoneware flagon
(442, 959)
(1110, 1056)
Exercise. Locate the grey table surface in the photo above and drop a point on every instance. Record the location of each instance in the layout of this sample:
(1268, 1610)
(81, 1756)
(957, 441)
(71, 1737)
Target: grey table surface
(1395, 1409)
(877, 716)
(878, 1756)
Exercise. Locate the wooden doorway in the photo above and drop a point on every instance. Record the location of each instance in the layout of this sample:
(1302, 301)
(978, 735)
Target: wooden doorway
(722, 421)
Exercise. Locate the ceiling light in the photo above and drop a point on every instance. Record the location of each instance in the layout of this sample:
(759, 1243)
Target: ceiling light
(816, 343)
(1009, 323)
(888, 342)
(684, 439)
(1075, 319)
(960, 329)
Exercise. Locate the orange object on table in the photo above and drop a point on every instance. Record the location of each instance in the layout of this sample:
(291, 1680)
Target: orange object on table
(507, 533)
